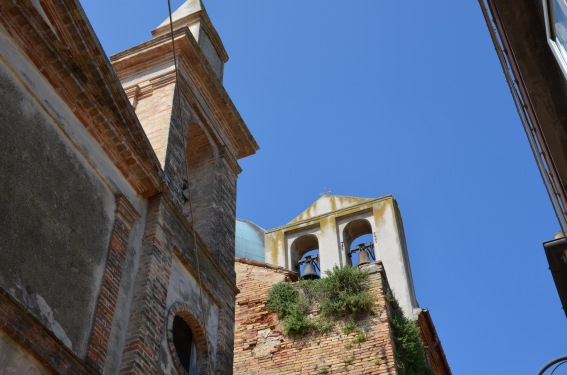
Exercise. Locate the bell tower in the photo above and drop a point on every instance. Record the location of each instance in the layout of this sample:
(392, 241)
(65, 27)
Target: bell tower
(342, 231)
(190, 121)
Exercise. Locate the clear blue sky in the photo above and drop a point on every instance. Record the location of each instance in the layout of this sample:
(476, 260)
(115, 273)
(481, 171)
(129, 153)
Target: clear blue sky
(369, 98)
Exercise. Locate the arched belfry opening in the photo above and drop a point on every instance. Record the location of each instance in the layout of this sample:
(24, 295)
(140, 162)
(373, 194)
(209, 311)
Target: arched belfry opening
(358, 242)
(304, 256)
(200, 179)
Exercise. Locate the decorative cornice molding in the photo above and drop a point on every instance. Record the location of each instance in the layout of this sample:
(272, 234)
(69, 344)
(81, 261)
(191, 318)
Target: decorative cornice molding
(191, 59)
(230, 160)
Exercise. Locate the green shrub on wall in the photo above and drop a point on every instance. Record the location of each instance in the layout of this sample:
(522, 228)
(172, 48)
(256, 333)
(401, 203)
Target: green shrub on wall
(282, 299)
(344, 292)
(409, 347)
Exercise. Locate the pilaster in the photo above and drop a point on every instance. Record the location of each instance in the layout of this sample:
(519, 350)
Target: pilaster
(126, 216)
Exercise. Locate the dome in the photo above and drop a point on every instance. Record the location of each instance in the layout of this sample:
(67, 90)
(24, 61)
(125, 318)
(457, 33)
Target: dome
(249, 240)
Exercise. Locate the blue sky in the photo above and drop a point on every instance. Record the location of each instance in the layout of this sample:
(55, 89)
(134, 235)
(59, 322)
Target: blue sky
(368, 98)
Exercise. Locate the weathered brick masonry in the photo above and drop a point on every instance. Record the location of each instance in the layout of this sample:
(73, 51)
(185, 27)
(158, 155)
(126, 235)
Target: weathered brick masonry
(261, 347)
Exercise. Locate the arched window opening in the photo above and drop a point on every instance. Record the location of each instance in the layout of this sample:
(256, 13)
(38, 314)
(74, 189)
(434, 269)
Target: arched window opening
(184, 345)
(200, 178)
(358, 238)
(305, 256)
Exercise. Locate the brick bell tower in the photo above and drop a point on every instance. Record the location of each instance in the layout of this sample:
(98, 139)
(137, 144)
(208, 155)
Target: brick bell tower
(191, 122)
(198, 137)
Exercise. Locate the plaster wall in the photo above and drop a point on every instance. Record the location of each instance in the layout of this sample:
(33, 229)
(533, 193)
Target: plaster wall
(125, 296)
(391, 250)
(15, 360)
(57, 220)
(332, 250)
(276, 249)
(71, 131)
(57, 203)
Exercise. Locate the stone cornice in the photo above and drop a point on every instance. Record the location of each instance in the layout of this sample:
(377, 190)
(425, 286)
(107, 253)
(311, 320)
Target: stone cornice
(230, 160)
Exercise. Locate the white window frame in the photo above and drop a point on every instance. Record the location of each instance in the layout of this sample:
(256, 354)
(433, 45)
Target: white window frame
(560, 56)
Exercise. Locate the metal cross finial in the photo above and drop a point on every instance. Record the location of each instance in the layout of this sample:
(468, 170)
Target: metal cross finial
(325, 192)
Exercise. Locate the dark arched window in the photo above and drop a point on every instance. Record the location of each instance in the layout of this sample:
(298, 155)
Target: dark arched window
(184, 345)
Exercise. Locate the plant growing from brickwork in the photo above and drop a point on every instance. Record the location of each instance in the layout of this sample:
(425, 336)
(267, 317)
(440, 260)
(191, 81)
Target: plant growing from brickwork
(283, 299)
(409, 347)
(297, 322)
(344, 292)
(349, 327)
(361, 337)
(323, 327)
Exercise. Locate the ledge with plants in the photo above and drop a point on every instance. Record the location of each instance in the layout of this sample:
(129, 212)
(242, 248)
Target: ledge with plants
(343, 293)
(315, 306)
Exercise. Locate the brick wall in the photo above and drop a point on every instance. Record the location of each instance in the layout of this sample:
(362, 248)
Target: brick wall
(261, 347)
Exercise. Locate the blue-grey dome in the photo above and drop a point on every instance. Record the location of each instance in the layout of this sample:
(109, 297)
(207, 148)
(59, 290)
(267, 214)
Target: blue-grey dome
(249, 240)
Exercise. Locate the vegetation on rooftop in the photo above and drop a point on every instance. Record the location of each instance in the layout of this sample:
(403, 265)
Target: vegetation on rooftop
(342, 294)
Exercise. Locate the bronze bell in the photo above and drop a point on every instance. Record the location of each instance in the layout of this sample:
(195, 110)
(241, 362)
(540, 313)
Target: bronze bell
(363, 257)
(309, 272)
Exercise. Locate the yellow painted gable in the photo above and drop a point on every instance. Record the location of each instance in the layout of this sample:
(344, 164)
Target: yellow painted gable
(327, 204)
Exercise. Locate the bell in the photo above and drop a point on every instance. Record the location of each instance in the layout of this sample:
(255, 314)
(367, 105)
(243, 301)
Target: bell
(363, 257)
(309, 272)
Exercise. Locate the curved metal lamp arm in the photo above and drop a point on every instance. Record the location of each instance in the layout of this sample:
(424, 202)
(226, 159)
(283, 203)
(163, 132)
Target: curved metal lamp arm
(549, 364)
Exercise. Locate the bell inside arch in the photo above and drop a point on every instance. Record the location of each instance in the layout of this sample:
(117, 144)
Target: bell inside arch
(308, 267)
(309, 272)
(363, 257)
(364, 253)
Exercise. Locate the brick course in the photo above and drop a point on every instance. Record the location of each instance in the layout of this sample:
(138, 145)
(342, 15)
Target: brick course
(28, 332)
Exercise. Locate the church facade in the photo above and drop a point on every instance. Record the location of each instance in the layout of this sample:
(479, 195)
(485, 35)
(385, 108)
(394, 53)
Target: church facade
(118, 193)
